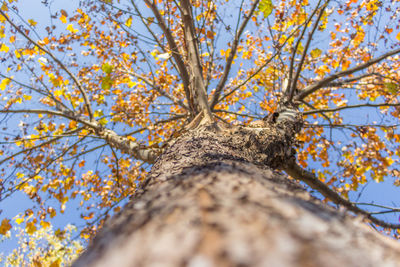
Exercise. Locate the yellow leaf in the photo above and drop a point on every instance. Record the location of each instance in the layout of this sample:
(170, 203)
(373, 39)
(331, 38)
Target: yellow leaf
(63, 19)
(398, 36)
(128, 22)
(103, 121)
(19, 220)
(52, 212)
(32, 22)
(58, 93)
(71, 28)
(98, 113)
(4, 84)
(17, 54)
(4, 48)
(5, 226)
(316, 53)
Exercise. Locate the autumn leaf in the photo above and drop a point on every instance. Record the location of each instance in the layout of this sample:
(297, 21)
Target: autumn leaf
(63, 19)
(4, 48)
(71, 28)
(316, 53)
(5, 226)
(265, 6)
(32, 22)
(107, 68)
(128, 22)
(103, 121)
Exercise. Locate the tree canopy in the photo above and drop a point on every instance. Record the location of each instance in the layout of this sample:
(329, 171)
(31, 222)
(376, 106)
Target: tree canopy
(90, 95)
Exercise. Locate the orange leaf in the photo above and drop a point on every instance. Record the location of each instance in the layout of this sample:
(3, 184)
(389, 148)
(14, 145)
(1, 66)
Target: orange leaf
(5, 226)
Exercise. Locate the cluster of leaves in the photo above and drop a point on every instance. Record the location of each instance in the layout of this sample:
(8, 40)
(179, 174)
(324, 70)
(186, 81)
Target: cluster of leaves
(112, 65)
(44, 247)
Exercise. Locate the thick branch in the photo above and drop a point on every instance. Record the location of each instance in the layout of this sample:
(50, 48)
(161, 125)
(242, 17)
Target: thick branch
(121, 142)
(183, 72)
(309, 178)
(196, 70)
(231, 56)
(350, 80)
(324, 82)
(146, 23)
(128, 146)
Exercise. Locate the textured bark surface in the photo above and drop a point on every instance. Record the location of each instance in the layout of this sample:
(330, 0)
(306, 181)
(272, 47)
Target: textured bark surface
(211, 200)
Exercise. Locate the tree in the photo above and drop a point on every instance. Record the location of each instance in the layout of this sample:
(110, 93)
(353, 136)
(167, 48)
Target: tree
(220, 98)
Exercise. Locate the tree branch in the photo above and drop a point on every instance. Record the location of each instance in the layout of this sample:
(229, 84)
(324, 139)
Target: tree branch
(287, 90)
(62, 66)
(194, 63)
(324, 82)
(183, 72)
(237, 114)
(388, 209)
(262, 66)
(309, 178)
(349, 107)
(350, 80)
(69, 115)
(303, 56)
(231, 56)
(121, 142)
(158, 89)
(147, 25)
(58, 137)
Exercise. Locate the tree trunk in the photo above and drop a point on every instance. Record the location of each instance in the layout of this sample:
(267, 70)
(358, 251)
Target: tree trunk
(212, 200)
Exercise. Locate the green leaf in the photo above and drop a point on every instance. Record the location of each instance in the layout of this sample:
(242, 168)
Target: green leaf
(391, 87)
(107, 68)
(266, 7)
(106, 82)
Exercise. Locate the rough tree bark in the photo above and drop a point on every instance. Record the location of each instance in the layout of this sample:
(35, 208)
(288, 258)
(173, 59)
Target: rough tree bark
(213, 198)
